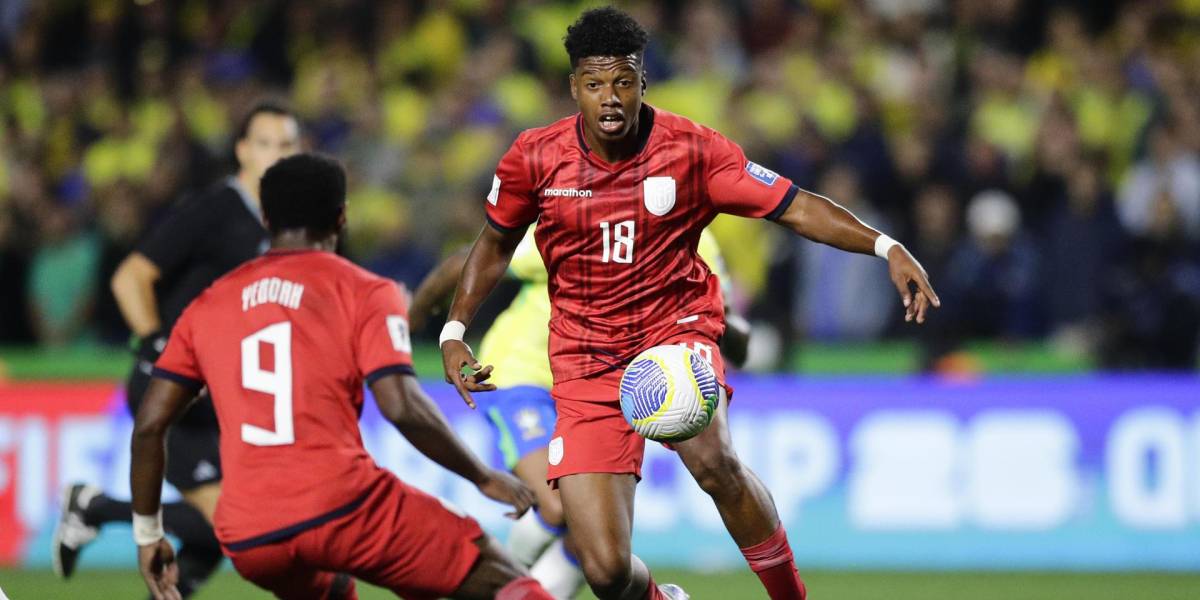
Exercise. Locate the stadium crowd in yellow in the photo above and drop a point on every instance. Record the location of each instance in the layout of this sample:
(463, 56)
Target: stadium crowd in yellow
(110, 110)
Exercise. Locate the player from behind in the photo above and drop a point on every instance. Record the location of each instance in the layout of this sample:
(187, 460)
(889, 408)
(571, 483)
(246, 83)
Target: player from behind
(521, 411)
(204, 237)
(284, 344)
(620, 193)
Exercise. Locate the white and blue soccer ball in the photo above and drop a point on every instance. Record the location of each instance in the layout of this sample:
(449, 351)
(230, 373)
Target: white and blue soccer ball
(669, 393)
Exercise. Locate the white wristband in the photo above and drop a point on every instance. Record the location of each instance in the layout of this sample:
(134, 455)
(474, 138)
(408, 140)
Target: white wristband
(147, 529)
(883, 243)
(452, 330)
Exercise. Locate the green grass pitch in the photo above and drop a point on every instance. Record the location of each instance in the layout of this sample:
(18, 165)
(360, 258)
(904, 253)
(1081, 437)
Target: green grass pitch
(839, 585)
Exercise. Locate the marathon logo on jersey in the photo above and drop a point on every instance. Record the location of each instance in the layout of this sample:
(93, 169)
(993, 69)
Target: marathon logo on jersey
(764, 175)
(272, 290)
(659, 195)
(566, 193)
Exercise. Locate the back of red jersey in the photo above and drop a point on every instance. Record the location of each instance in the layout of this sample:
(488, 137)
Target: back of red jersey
(284, 344)
(620, 239)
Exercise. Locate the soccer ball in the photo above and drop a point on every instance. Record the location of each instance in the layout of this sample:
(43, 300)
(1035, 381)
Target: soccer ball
(668, 393)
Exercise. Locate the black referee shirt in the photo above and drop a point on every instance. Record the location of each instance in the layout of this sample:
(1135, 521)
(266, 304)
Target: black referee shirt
(203, 238)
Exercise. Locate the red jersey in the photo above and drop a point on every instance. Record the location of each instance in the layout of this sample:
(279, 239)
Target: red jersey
(284, 343)
(619, 239)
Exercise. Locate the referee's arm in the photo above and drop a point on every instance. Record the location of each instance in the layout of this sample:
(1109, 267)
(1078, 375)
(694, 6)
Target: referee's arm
(165, 250)
(133, 287)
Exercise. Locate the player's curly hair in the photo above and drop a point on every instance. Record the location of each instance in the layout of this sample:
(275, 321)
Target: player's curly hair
(304, 191)
(606, 31)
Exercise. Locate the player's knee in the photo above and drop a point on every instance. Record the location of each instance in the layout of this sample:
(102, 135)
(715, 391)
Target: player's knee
(720, 473)
(607, 571)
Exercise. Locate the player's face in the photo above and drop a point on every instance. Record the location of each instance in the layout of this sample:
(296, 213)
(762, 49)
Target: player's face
(609, 91)
(269, 138)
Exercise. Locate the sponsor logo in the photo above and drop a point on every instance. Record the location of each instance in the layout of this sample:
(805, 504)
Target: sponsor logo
(659, 195)
(762, 174)
(566, 193)
(556, 450)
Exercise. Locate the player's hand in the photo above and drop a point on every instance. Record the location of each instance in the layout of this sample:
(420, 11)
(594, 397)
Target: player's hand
(160, 571)
(456, 356)
(907, 273)
(504, 487)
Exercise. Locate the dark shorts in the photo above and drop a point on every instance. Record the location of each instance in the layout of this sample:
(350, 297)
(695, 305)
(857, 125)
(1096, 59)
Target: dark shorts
(398, 537)
(193, 442)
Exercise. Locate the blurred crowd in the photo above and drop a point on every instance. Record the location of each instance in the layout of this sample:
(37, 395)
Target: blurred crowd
(1041, 158)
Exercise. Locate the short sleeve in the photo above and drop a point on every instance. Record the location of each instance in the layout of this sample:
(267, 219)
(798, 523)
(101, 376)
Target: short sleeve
(383, 346)
(740, 187)
(510, 203)
(526, 263)
(172, 242)
(178, 362)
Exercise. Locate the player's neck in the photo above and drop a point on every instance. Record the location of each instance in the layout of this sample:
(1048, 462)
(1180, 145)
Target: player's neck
(298, 239)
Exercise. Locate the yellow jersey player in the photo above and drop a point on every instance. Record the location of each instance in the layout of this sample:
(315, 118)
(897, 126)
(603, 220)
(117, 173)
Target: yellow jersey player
(521, 410)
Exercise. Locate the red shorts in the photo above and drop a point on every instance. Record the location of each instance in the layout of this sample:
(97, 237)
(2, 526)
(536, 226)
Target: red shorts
(399, 538)
(591, 434)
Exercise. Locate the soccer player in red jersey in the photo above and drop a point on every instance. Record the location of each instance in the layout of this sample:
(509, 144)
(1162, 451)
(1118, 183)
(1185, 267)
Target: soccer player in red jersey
(284, 344)
(620, 192)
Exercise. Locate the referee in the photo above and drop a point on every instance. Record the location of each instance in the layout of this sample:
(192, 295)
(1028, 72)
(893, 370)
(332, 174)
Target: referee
(204, 237)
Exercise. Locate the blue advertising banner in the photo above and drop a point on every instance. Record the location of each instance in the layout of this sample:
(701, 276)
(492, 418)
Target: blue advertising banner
(1090, 472)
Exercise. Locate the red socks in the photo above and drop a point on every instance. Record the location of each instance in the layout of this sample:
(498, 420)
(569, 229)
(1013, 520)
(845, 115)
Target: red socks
(771, 560)
(523, 588)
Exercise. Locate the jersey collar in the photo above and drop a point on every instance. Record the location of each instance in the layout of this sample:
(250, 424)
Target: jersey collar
(646, 127)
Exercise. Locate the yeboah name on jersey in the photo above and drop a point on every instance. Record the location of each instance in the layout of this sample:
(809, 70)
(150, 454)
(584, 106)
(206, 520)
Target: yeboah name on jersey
(272, 290)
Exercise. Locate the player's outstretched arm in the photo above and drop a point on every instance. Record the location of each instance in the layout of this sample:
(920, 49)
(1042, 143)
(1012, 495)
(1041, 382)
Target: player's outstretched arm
(163, 402)
(402, 402)
(485, 266)
(436, 288)
(822, 220)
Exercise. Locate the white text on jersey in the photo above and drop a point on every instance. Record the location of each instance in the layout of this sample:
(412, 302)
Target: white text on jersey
(273, 290)
(566, 193)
